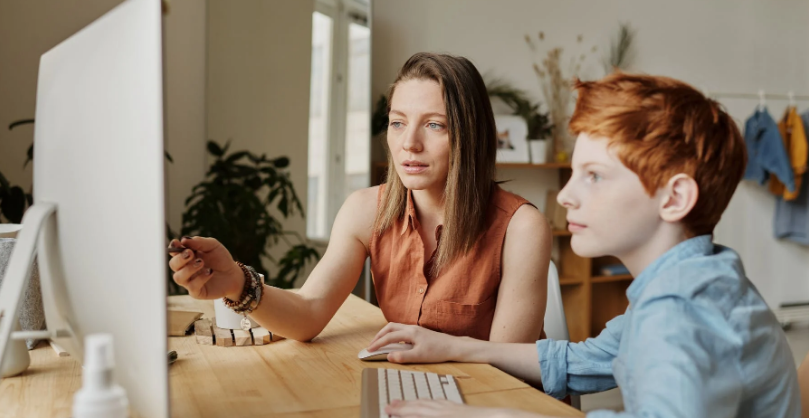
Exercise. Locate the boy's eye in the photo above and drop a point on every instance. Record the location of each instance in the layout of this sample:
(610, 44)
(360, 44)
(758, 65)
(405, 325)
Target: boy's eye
(593, 177)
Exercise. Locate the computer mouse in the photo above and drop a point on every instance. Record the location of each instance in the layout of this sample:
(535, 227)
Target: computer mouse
(382, 353)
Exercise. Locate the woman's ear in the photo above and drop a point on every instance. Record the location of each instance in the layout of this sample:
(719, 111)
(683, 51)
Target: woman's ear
(679, 198)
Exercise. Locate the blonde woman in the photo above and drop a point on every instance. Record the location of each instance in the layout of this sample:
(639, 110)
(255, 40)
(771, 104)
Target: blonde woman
(450, 250)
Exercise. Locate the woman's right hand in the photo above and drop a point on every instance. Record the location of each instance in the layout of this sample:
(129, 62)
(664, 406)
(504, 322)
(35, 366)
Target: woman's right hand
(206, 269)
(428, 346)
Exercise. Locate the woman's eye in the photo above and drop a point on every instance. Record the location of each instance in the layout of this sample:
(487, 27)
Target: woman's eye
(396, 125)
(435, 126)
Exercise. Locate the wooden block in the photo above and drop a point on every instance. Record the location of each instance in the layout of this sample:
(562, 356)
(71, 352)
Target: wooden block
(203, 332)
(263, 337)
(180, 322)
(223, 337)
(242, 337)
(258, 335)
(271, 338)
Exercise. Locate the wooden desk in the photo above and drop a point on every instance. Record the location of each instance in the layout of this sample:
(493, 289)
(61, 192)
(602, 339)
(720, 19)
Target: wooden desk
(285, 378)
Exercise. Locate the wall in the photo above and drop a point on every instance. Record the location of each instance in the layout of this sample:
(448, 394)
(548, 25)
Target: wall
(720, 46)
(259, 57)
(28, 29)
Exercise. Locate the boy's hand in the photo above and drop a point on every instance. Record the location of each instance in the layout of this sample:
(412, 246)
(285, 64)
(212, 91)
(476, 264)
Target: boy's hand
(442, 408)
(428, 346)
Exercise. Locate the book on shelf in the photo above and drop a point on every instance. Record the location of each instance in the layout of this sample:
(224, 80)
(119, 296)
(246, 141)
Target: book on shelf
(614, 270)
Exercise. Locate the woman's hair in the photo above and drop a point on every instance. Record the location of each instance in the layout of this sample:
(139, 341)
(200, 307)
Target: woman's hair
(473, 148)
(664, 127)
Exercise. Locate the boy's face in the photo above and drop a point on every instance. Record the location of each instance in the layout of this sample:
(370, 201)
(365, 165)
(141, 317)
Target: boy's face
(608, 210)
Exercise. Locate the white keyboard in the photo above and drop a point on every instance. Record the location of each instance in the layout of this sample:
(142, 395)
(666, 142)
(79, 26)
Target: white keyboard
(381, 386)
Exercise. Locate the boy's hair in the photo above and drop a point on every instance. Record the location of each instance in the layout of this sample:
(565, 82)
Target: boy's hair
(664, 127)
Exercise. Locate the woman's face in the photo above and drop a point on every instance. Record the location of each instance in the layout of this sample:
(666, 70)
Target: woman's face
(417, 135)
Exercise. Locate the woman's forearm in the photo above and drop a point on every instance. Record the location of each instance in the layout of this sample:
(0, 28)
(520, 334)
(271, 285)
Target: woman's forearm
(519, 360)
(288, 314)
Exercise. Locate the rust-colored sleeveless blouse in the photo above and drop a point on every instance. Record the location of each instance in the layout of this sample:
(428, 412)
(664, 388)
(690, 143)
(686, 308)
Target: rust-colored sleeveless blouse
(461, 299)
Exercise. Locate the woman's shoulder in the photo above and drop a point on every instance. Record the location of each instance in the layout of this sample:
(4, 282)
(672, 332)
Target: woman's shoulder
(524, 215)
(363, 199)
(502, 196)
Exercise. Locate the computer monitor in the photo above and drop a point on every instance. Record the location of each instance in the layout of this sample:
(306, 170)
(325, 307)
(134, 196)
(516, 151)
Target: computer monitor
(98, 220)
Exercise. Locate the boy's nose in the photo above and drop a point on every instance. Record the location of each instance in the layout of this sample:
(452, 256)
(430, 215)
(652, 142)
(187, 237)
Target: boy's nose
(566, 198)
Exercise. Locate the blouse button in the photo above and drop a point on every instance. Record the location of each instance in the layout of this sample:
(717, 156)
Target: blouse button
(421, 290)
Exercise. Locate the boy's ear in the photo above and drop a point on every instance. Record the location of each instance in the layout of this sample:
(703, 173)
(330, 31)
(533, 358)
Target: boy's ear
(679, 198)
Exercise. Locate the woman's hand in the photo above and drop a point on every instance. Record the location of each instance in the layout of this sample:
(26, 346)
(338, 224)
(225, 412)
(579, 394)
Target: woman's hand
(428, 346)
(206, 269)
(441, 408)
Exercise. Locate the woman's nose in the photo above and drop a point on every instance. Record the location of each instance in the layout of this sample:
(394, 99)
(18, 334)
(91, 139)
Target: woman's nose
(412, 141)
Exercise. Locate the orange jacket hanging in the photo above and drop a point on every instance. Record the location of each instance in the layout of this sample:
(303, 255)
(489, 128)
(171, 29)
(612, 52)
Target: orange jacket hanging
(795, 143)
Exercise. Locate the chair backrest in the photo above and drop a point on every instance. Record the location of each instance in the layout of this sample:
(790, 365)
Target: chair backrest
(555, 321)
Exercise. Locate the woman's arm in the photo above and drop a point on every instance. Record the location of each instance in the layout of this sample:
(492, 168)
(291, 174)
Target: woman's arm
(522, 295)
(301, 315)
(304, 314)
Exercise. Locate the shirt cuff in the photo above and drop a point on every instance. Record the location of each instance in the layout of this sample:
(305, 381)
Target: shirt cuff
(553, 366)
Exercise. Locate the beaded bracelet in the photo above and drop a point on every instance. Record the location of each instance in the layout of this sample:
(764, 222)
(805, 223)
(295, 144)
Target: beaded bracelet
(250, 297)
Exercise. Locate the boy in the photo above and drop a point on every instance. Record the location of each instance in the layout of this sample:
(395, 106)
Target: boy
(654, 167)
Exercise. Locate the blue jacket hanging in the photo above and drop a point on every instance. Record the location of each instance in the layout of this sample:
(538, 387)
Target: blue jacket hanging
(765, 151)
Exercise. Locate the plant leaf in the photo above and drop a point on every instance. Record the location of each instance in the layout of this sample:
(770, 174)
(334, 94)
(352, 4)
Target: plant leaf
(215, 149)
(281, 162)
(20, 122)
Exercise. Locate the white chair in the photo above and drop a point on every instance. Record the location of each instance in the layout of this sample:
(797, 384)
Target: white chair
(555, 320)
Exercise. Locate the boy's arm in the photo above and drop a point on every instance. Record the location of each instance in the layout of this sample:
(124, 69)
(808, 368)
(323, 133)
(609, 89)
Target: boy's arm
(678, 363)
(580, 368)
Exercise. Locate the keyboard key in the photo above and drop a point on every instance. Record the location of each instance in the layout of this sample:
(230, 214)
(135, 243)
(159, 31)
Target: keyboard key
(435, 386)
(451, 389)
(394, 385)
(422, 387)
(383, 393)
(408, 386)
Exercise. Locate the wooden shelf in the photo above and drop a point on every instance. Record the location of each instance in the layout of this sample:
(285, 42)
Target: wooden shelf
(539, 166)
(608, 279)
(567, 281)
(561, 233)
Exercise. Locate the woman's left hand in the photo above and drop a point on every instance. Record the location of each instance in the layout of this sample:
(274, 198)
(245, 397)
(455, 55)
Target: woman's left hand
(441, 408)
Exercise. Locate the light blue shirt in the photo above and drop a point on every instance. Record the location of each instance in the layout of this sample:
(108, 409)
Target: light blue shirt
(696, 341)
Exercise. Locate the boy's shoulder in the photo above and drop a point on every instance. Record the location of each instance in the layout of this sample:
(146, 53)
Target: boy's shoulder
(715, 280)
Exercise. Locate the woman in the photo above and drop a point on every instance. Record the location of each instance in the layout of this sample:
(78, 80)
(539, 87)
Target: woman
(449, 249)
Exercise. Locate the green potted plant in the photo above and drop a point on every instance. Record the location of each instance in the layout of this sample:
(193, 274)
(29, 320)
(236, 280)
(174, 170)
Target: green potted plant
(13, 199)
(233, 204)
(538, 123)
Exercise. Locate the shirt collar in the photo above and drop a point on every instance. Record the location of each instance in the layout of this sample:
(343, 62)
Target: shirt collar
(701, 245)
(411, 221)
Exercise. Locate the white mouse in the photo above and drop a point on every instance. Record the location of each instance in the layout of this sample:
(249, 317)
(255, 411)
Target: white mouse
(382, 353)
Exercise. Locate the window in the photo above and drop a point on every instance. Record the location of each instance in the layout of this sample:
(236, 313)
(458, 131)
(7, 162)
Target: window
(319, 93)
(339, 110)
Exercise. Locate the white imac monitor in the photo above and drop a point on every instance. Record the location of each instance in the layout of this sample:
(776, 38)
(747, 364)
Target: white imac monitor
(97, 224)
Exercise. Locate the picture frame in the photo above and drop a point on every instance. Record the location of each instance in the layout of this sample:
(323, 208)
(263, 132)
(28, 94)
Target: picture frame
(512, 142)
